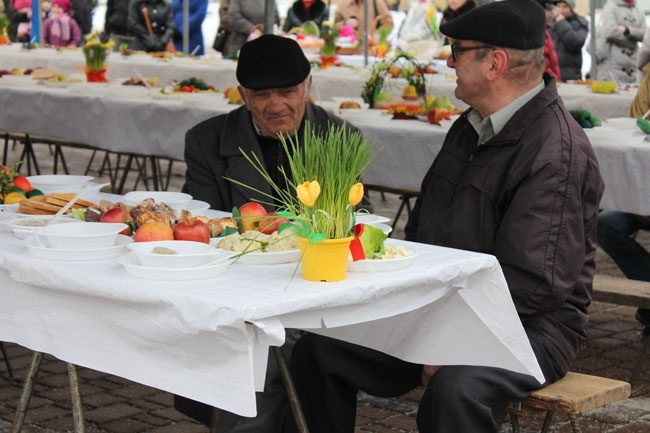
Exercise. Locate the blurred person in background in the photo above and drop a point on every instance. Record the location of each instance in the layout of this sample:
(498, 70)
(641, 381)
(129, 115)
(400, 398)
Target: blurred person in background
(59, 29)
(350, 13)
(569, 32)
(456, 8)
(222, 38)
(82, 13)
(247, 22)
(622, 26)
(115, 21)
(198, 11)
(550, 55)
(152, 25)
(306, 10)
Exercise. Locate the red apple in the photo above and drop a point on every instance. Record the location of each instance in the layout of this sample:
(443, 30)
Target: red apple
(251, 214)
(154, 231)
(271, 223)
(192, 229)
(118, 215)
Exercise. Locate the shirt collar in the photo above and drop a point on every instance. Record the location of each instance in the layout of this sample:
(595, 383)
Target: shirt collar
(489, 127)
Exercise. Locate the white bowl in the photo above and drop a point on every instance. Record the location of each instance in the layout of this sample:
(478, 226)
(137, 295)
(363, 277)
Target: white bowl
(188, 254)
(176, 200)
(25, 226)
(84, 235)
(49, 183)
(621, 123)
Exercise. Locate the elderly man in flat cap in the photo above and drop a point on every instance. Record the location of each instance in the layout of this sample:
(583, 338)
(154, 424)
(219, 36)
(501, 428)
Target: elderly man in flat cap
(516, 178)
(274, 78)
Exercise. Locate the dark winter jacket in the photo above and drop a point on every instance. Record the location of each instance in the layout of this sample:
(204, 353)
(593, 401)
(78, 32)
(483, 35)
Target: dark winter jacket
(297, 14)
(569, 36)
(162, 24)
(117, 12)
(530, 197)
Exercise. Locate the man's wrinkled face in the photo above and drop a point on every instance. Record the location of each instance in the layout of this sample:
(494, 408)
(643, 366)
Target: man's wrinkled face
(469, 69)
(278, 111)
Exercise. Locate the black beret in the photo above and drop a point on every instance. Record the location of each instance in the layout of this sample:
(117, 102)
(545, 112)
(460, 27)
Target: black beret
(519, 24)
(271, 62)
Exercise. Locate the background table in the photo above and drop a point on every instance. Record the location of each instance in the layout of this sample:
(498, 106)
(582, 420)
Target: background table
(208, 339)
(328, 83)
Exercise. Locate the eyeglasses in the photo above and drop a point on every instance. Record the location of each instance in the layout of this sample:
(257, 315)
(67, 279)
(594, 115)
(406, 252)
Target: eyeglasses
(455, 49)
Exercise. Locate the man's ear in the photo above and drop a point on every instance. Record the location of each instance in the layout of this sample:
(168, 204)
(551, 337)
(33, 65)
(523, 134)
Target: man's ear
(244, 95)
(308, 88)
(498, 64)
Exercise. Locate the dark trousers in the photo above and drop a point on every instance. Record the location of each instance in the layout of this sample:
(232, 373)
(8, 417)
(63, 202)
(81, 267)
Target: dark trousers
(328, 374)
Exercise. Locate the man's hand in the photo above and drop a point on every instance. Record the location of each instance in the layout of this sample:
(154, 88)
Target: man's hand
(427, 372)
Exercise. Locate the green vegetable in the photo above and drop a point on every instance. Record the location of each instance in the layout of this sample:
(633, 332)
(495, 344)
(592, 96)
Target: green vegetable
(643, 125)
(78, 214)
(372, 240)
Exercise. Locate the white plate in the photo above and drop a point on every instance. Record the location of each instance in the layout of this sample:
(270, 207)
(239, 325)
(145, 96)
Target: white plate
(270, 258)
(383, 227)
(46, 252)
(9, 208)
(133, 267)
(386, 265)
(197, 206)
(49, 183)
(371, 219)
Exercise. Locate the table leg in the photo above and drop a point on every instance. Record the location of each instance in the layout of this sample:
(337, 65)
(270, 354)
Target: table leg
(10, 370)
(75, 396)
(28, 388)
(290, 389)
(216, 419)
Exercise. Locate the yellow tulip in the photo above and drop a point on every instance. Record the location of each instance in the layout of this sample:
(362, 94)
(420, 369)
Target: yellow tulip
(308, 192)
(356, 194)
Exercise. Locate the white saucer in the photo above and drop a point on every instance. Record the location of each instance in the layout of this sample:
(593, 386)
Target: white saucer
(132, 266)
(371, 219)
(46, 252)
(385, 265)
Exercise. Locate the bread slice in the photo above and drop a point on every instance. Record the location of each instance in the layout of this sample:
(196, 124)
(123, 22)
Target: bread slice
(37, 206)
(67, 196)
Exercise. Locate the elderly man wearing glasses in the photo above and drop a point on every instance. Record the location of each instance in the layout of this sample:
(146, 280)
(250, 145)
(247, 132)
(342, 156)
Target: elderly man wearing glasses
(516, 178)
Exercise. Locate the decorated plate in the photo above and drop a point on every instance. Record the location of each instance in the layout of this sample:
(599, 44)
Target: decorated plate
(132, 266)
(44, 250)
(386, 265)
(262, 258)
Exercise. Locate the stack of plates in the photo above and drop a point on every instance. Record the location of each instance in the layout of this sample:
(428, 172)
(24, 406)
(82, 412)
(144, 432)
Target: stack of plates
(41, 248)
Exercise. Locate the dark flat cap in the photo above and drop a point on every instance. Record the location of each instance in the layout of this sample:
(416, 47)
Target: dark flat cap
(519, 24)
(271, 62)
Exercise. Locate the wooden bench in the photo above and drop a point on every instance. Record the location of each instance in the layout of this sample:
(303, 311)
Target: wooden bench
(574, 394)
(622, 291)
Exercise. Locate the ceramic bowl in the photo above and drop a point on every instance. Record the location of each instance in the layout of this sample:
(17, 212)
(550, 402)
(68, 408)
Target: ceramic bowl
(176, 200)
(176, 254)
(83, 235)
(49, 183)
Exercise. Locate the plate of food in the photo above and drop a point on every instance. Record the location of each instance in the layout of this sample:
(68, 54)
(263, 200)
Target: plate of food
(394, 256)
(257, 248)
(368, 218)
(132, 265)
(45, 251)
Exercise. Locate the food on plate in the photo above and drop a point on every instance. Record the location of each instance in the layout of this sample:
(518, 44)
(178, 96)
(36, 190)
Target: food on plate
(410, 93)
(150, 211)
(164, 251)
(218, 226)
(193, 85)
(368, 242)
(436, 115)
(253, 241)
(250, 215)
(118, 215)
(603, 87)
(154, 231)
(137, 81)
(346, 105)
(44, 74)
(271, 222)
(585, 118)
(51, 203)
(395, 252)
(394, 71)
(189, 228)
(233, 95)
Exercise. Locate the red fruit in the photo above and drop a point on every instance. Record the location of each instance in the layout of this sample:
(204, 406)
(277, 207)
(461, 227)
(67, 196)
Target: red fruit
(186, 89)
(154, 231)
(4, 169)
(22, 183)
(251, 214)
(435, 115)
(118, 215)
(192, 229)
(271, 223)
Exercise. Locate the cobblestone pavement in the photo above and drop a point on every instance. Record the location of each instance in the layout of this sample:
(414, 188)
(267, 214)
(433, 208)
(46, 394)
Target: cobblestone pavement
(115, 405)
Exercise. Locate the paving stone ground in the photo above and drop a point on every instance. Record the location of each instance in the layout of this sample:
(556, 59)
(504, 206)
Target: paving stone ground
(116, 405)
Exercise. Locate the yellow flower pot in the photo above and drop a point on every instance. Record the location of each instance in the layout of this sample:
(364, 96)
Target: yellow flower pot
(325, 261)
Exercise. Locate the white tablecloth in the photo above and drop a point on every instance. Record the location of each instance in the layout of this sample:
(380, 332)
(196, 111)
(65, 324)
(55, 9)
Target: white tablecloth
(127, 119)
(328, 83)
(208, 339)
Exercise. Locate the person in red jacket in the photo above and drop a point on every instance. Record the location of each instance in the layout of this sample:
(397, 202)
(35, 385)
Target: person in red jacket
(550, 55)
